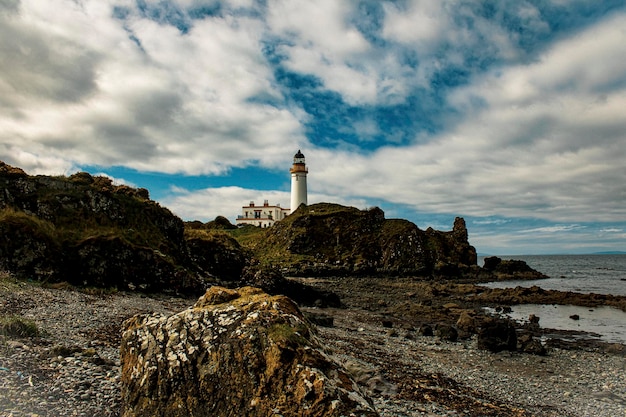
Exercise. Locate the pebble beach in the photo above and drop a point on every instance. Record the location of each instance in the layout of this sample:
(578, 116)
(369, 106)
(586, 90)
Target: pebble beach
(72, 367)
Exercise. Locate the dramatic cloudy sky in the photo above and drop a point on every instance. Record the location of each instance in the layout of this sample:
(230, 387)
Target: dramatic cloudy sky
(511, 113)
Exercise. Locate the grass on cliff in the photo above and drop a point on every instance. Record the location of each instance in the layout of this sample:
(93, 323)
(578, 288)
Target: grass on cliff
(74, 214)
(77, 232)
(33, 224)
(248, 236)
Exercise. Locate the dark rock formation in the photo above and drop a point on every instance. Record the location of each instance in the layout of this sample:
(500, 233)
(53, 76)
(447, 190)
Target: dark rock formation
(236, 352)
(88, 231)
(451, 250)
(219, 254)
(220, 223)
(28, 246)
(528, 344)
(328, 239)
(496, 335)
(105, 261)
(273, 282)
(511, 269)
(446, 332)
(537, 295)
(467, 323)
(426, 330)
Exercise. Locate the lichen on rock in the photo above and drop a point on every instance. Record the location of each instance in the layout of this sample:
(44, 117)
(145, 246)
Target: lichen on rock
(235, 352)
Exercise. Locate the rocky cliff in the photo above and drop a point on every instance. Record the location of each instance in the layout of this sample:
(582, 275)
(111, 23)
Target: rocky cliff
(88, 231)
(329, 239)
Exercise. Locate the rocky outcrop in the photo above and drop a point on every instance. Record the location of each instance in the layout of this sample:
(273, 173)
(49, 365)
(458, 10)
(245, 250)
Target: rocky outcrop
(88, 231)
(28, 245)
(510, 269)
(329, 239)
(234, 353)
(452, 253)
(496, 335)
(218, 253)
(274, 282)
(537, 295)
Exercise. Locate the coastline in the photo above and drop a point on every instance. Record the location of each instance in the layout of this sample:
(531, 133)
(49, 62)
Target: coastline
(594, 273)
(72, 369)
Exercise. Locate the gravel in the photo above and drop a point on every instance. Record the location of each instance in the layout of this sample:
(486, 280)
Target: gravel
(474, 382)
(73, 369)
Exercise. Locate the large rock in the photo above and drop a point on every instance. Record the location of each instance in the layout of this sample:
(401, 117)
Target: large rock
(496, 335)
(273, 282)
(28, 246)
(511, 269)
(234, 353)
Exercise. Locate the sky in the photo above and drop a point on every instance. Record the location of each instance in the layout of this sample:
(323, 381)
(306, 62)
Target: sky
(510, 114)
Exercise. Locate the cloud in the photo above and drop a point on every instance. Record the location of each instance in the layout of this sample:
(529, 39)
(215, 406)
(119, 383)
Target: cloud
(138, 92)
(323, 43)
(206, 204)
(545, 142)
(611, 230)
(497, 222)
(553, 229)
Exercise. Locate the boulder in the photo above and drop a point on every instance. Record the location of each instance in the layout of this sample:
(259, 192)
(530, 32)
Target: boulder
(28, 247)
(528, 344)
(219, 254)
(426, 330)
(446, 332)
(273, 282)
(235, 352)
(496, 335)
(466, 323)
(511, 269)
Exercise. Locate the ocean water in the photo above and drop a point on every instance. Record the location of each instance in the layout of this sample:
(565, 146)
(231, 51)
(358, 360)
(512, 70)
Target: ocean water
(600, 274)
(607, 324)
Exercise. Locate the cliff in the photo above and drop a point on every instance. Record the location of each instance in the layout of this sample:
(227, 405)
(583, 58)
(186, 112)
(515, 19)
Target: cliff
(90, 232)
(329, 239)
(87, 231)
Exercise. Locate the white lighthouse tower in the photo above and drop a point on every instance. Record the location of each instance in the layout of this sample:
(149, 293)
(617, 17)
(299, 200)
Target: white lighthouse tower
(298, 181)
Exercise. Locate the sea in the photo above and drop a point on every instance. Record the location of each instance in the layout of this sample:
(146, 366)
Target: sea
(600, 274)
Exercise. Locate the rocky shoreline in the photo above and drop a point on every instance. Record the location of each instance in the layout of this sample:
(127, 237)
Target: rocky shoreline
(72, 368)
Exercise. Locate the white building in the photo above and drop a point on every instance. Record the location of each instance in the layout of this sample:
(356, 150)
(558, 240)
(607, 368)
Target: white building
(266, 215)
(298, 181)
(261, 216)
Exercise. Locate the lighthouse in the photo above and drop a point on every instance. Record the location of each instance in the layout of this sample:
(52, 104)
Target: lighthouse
(298, 181)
